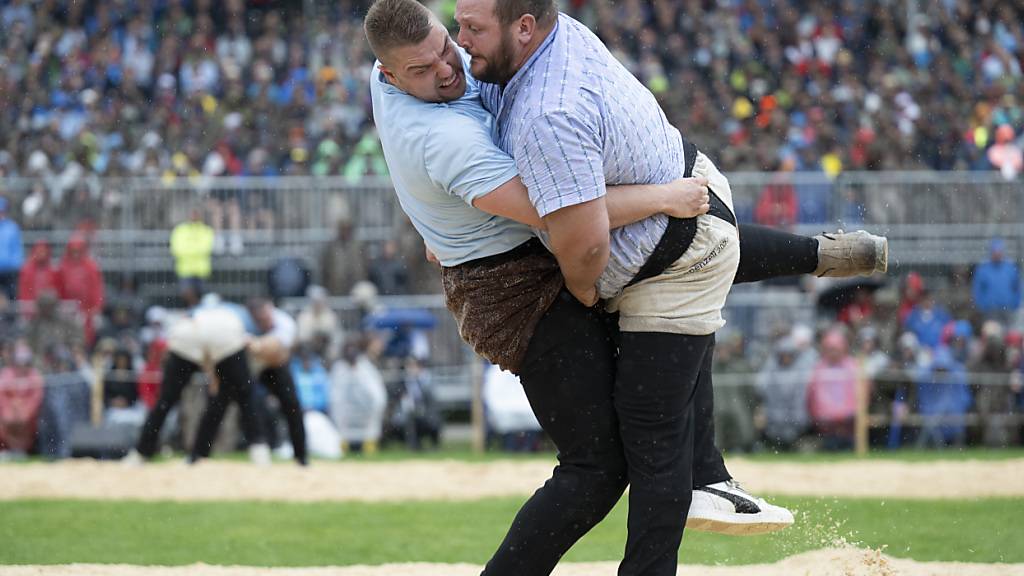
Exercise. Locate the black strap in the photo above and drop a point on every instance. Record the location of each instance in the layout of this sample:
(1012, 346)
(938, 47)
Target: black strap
(680, 232)
(531, 246)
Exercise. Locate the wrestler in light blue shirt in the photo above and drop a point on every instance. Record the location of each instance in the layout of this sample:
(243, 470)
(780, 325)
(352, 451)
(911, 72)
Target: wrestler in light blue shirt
(442, 157)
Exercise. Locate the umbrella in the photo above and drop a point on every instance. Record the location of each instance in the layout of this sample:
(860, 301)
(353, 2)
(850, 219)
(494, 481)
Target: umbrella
(843, 292)
(401, 318)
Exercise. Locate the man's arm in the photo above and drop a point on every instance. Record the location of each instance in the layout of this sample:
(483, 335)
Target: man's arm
(462, 159)
(682, 198)
(578, 235)
(559, 155)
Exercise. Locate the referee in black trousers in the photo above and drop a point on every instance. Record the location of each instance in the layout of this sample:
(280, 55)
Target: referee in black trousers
(271, 352)
(212, 340)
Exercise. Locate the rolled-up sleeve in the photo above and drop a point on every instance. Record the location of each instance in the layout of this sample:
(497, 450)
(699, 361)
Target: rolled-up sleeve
(559, 156)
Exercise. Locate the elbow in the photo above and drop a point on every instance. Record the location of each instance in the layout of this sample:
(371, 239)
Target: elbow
(595, 252)
(584, 249)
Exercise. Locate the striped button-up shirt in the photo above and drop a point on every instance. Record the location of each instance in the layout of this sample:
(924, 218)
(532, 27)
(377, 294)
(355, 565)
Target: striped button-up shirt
(576, 120)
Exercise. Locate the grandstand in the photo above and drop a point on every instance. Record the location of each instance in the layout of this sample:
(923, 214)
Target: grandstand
(119, 119)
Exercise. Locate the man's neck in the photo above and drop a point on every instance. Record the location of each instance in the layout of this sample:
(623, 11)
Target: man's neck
(534, 44)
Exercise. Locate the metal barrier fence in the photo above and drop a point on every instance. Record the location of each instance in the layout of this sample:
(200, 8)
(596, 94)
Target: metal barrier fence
(931, 218)
(890, 199)
(291, 205)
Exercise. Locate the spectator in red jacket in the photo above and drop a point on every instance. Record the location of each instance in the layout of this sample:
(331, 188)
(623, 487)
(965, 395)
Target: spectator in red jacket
(80, 279)
(38, 274)
(777, 205)
(152, 373)
(21, 397)
(912, 294)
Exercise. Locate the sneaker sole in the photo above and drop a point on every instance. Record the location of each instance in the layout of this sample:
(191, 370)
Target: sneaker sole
(728, 526)
(730, 529)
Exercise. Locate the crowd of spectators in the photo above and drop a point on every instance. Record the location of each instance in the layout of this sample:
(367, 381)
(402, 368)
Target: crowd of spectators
(936, 369)
(175, 89)
(941, 366)
(179, 88)
(831, 86)
(371, 382)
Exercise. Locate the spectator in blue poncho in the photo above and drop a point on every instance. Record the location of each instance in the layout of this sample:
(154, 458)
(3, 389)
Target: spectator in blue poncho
(943, 400)
(996, 287)
(927, 320)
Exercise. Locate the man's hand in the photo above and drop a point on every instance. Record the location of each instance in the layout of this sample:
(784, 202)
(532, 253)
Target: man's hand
(686, 197)
(269, 351)
(588, 296)
(431, 257)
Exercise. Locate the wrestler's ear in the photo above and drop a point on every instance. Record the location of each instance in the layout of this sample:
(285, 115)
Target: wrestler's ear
(387, 73)
(525, 28)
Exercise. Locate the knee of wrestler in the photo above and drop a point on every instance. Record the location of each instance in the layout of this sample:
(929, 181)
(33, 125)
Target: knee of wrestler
(598, 475)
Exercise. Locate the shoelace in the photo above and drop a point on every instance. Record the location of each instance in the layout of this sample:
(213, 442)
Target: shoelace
(735, 485)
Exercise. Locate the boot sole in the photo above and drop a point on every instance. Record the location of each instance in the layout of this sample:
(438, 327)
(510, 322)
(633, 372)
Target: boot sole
(881, 255)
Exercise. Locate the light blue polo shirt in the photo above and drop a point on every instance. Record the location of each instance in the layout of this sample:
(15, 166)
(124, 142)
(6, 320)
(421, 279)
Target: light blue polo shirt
(441, 157)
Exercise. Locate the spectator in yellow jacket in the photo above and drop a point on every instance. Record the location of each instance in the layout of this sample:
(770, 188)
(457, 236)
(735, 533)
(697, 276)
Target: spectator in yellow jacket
(192, 248)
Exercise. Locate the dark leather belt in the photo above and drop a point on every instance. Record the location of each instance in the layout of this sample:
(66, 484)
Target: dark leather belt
(531, 246)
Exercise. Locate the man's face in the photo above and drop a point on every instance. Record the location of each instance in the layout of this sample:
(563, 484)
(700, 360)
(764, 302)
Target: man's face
(431, 70)
(487, 41)
(263, 315)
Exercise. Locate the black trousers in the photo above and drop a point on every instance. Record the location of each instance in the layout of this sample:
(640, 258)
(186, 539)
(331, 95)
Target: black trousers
(235, 386)
(233, 373)
(9, 284)
(767, 253)
(568, 375)
(279, 382)
(658, 380)
(579, 395)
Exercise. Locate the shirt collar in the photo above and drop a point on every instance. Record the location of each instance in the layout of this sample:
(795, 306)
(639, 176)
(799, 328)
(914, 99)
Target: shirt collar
(517, 78)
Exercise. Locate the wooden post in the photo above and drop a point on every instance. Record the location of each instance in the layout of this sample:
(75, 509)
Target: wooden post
(96, 404)
(477, 408)
(861, 419)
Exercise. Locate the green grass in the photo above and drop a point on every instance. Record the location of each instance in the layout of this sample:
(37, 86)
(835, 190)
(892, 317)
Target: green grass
(281, 534)
(903, 455)
(461, 452)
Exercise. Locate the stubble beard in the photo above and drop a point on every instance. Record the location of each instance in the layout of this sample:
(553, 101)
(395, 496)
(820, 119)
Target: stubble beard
(500, 68)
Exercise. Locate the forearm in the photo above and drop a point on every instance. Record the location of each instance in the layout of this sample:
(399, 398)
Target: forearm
(631, 203)
(625, 204)
(511, 200)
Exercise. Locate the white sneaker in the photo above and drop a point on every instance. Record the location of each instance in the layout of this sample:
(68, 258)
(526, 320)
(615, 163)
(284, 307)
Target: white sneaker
(133, 459)
(259, 454)
(725, 508)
